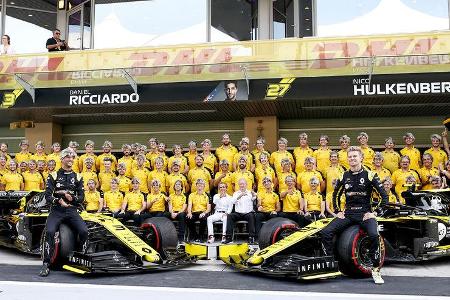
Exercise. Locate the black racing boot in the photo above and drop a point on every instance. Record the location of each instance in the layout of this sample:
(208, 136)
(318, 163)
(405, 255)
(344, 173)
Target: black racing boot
(44, 270)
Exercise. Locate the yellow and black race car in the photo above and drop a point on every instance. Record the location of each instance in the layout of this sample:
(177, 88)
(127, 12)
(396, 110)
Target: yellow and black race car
(414, 232)
(112, 246)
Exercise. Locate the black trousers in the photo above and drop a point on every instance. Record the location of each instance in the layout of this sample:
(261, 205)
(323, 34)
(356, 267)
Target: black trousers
(193, 234)
(181, 218)
(313, 216)
(235, 216)
(261, 217)
(130, 215)
(299, 219)
(69, 216)
(337, 226)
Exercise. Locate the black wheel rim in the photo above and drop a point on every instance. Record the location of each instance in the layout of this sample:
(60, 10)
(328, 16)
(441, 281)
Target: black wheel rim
(363, 254)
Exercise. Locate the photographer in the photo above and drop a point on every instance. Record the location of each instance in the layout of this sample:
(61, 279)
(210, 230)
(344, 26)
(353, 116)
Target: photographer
(55, 43)
(65, 192)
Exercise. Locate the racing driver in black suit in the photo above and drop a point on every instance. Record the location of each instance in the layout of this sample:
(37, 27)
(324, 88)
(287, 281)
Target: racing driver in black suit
(357, 183)
(65, 192)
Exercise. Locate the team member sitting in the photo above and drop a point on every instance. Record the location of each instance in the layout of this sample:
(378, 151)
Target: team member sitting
(305, 176)
(92, 198)
(314, 202)
(113, 198)
(177, 208)
(133, 204)
(292, 203)
(436, 183)
(32, 178)
(23, 167)
(223, 203)
(156, 202)
(387, 185)
(198, 209)
(268, 204)
(427, 171)
(399, 177)
(12, 180)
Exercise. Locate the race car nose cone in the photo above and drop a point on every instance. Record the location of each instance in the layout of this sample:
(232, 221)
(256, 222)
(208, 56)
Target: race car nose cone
(154, 258)
(255, 260)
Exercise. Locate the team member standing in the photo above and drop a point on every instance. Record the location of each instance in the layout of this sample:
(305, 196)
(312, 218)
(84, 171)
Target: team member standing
(65, 192)
(191, 154)
(224, 176)
(285, 172)
(4, 151)
(76, 160)
(24, 154)
(399, 177)
(427, 171)
(260, 142)
(92, 198)
(226, 150)
(89, 147)
(161, 154)
(182, 160)
(368, 153)
(160, 174)
(177, 208)
(173, 177)
(277, 156)
(322, 155)
(198, 209)
(3, 165)
(304, 178)
(40, 152)
(141, 172)
(378, 166)
(244, 151)
(301, 152)
(99, 163)
(357, 184)
(133, 204)
(344, 141)
(56, 149)
(124, 181)
(243, 173)
(32, 178)
(332, 174)
(265, 170)
(12, 180)
(89, 172)
(104, 178)
(152, 149)
(412, 152)
(439, 155)
(222, 201)
(199, 172)
(391, 159)
(126, 159)
(268, 204)
(209, 159)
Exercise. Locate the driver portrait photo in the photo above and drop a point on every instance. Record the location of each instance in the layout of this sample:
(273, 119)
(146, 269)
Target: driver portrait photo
(231, 90)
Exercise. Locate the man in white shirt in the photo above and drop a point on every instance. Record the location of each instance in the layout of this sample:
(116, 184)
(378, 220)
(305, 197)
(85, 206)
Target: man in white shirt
(243, 200)
(223, 203)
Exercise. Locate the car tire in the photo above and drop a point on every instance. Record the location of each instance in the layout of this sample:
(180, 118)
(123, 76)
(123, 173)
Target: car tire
(352, 252)
(64, 245)
(160, 234)
(274, 230)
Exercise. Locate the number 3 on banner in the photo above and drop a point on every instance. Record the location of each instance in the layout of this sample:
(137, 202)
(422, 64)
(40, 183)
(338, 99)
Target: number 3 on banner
(275, 90)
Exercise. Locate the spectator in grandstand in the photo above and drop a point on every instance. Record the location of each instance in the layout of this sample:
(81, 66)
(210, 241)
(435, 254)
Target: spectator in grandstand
(285, 172)
(177, 155)
(427, 171)
(268, 204)
(142, 173)
(231, 90)
(260, 142)
(391, 159)
(92, 198)
(3, 165)
(174, 176)
(243, 201)
(89, 173)
(4, 151)
(104, 178)
(156, 202)
(412, 152)
(226, 150)
(107, 146)
(12, 180)
(301, 152)
(33, 180)
(199, 172)
(55, 155)
(160, 174)
(244, 151)
(124, 181)
(55, 43)
(177, 208)
(344, 141)
(223, 203)
(23, 167)
(42, 168)
(368, 153)
(224, 176)
(133, 204)
(387, 185)
(331, 175)
(209, 159)
(378, 168)
(198, 209)
(277, 156)
(5, 46)
(24, 154)
(40, 152)
(126, 160)
(292, 200)
(399, 177)
(314, 204)
(265, 170)
(191, 154)
(322, 155)
(76, 160)
(310, 172)
(89, 147)
(152, 149)
(439, 155)
(113, 198)
(243, 173)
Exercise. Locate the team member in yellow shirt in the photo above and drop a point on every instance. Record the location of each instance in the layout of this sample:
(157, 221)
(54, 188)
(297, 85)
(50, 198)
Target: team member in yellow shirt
(126, 159)
(89, 147)
(162, 154)
(331, 175)
(260, 142)
(23, 167)
(152, 149)
(124, 181)
(192, 153)
(439, 155)
(113, 198)
(277, 156)
(285, 172)
(427, 171)
(412, 152)
(156, 202)
(292, 203)
(42, 168)
(32, 178)
(344, 141)
(4, 151)
(182, 160)
(199, 206)
(199, 172)
(387, 185)
(142, 150)
(301, 152)
(265, 170)
(322, 155)
(89, 172)
(378, 166)
(142, 173)
(268, 204)
(243, 173)
(76, 161)
(209, 159)
(133, 204)
(224, 176)
(55, 155)
(107, 146)
(177, 208)
(92, 198)
(368, 153)
(391, 159)
(314, 203)
(3, 165)
(226, 150)
(104, 178)
(12, 180)
(173, 177)
(24, 154)
(304, 178)
(243, 144)
(160, 174)
(399, 177)
(40, 152)
(51, 167)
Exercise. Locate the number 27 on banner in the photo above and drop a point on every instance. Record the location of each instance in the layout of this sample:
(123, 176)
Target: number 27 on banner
(276, 90)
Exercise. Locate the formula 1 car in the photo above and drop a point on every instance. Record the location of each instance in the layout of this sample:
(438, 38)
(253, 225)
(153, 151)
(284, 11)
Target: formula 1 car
(112, 247)
(417, 231)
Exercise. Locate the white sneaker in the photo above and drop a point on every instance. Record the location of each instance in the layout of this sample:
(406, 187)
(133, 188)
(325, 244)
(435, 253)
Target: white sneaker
(211, 239)
(376, 275)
